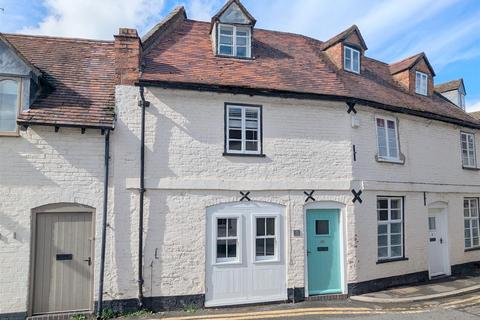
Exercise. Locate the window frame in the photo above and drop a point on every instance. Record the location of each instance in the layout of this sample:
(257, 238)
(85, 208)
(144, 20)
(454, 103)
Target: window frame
(389, 222)
(418, 86)
(243, 151)
(471, 218)
(234, 41)
(19, 82)
(350, 57)
(388, 158)
(238, 258)
(276, 237)
(468, 134)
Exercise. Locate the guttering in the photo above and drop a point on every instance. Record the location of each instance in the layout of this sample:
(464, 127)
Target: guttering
(104, 225)
(301, 95)
(143, 104)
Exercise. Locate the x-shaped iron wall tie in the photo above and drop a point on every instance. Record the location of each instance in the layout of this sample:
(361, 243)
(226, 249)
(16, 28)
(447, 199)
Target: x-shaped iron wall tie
(245, 196)
(356, 196)
(309, 195)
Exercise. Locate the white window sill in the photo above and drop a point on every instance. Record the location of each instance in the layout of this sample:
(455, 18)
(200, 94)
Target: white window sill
(10, 134)
(395, 161)
(227, 263)
(235, 154)
(263, 261)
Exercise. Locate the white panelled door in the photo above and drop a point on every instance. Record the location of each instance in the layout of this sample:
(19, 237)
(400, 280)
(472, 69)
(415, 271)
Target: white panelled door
(245, 259)
(438, 262)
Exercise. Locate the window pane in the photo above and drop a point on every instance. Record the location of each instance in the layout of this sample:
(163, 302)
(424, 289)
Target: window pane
(395, 239)
(382, 141)
(396, 215)
(260, 226)
(242, 41)
(475, 242)
(356, 61)
(227, 40)
(468, 243)
(235, 145)
(251, 146)
(251, 135)
(382, 204)
(251, 124)
(8, 105)
(221, 248)
(221, 227)
(382, 241)
(322, 227)
(382, 252)
(431, 223)
(232, 249)
(395, 203)
(251, 114)
(396, 251)
(260, 247)
(382, 229)
(382, 215)
(235, 134)
(232, 227)
(226, 30)
(226, 50)
(241, 51)
(270, 226)
(235, 112)
(242, 32)
(234, 123)
(392, 139)
(270, 247)
(396, 228)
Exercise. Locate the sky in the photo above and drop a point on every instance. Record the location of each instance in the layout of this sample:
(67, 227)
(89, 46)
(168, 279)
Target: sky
(448, 31)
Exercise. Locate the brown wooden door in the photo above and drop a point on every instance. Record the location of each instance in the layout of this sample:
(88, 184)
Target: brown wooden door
(63, 262)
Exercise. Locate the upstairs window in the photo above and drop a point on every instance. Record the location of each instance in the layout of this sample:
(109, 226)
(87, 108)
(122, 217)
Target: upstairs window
(234, 41)
(351, 60)
(243, 129)
(421, 83)
(9, 105)
(387, 139)
(468, 150)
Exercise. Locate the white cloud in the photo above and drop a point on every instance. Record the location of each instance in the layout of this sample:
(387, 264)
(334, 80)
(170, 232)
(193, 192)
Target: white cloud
(475, 106)
(203, 9)
(95, 19)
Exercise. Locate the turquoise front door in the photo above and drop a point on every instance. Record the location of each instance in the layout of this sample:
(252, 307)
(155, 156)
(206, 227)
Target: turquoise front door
(323, 251)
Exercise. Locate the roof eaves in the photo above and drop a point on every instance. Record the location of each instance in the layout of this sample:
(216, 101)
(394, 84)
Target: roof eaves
(203, 87)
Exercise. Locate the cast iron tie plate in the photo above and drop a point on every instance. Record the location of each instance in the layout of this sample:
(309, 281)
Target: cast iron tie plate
(356, 196)
(351, 107)
(309, 195)
(245, 196)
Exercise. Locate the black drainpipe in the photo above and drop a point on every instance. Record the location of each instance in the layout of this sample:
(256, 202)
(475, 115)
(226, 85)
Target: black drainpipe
(143, 104)
(104, 224)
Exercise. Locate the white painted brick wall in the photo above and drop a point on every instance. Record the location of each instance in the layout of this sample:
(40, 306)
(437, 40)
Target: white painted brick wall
(41, 167)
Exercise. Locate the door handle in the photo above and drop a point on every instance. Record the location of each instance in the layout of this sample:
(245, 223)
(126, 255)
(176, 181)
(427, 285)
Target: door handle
(441, 240)
(89, 260)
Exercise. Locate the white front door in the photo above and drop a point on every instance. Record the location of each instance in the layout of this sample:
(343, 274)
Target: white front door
(438, 262)
(245, 254)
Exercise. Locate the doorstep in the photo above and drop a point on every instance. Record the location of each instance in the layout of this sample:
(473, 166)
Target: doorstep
(435, 289)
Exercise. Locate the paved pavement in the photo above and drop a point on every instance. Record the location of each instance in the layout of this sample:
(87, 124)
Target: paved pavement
(463, 307)
(433, 290)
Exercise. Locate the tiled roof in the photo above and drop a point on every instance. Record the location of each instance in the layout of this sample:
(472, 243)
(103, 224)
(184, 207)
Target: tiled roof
(409, 62)
(475, 114)
(449, 86)
(81, 77)
(283, 62)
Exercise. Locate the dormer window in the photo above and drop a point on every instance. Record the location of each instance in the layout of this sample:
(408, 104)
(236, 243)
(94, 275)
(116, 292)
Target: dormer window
(234, 41)
(421, 83)
(351, 61)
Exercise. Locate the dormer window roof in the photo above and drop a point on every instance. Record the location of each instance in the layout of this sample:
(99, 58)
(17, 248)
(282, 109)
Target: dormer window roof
(232, 29)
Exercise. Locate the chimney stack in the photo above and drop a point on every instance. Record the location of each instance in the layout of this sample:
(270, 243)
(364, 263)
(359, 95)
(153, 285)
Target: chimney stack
(128, 56)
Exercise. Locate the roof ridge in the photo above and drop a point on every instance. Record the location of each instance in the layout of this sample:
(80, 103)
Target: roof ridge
(71, 39)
